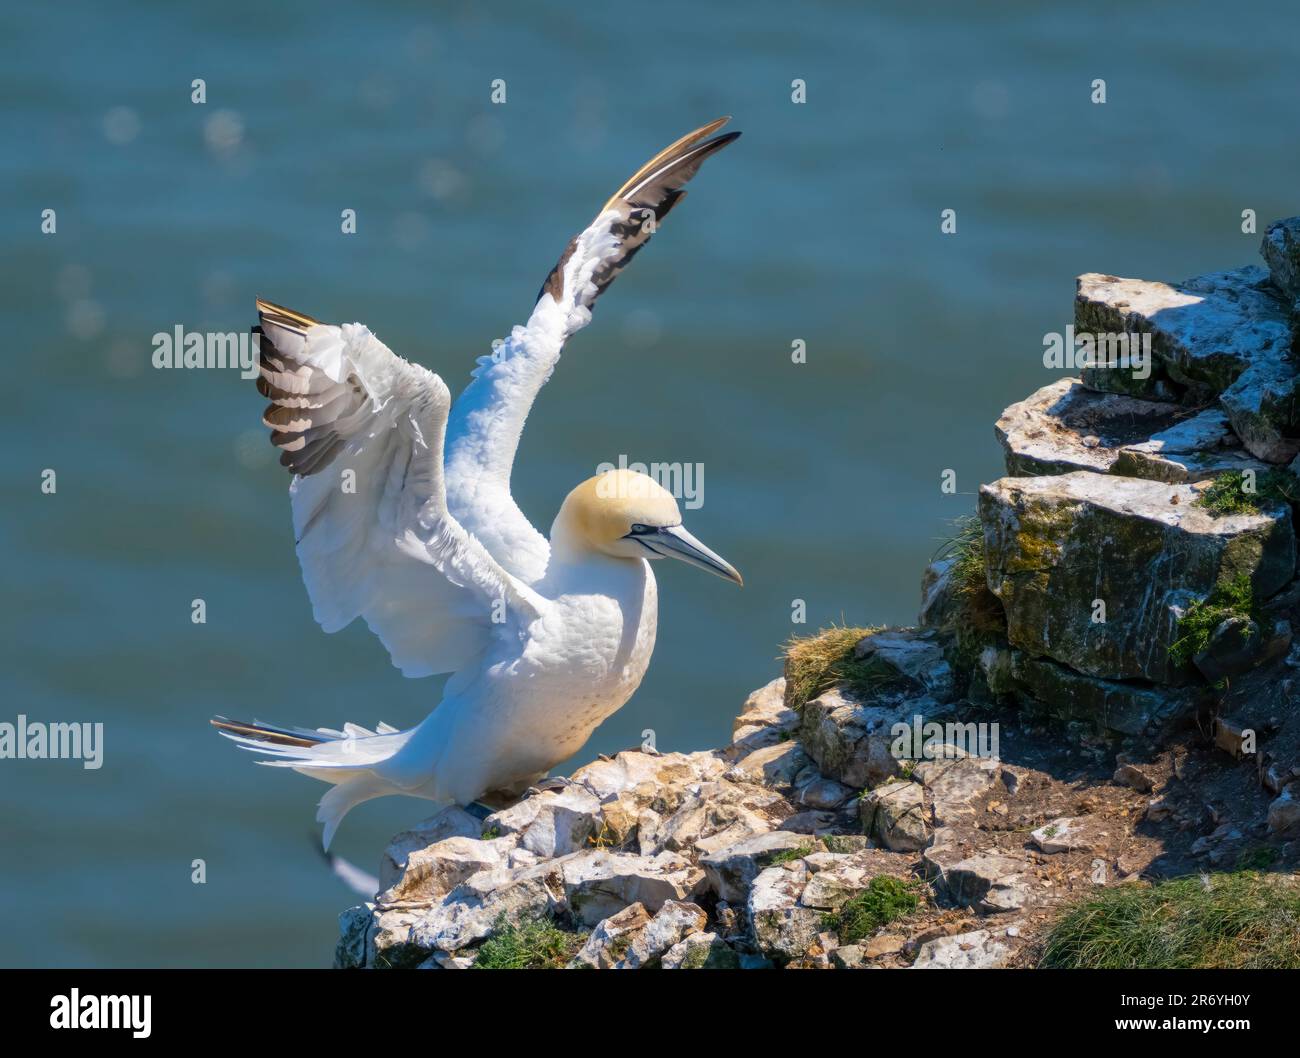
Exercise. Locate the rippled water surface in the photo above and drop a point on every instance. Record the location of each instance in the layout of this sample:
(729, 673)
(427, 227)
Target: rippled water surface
(821, 480)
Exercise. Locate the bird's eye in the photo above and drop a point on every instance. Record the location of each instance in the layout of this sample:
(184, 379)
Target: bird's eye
(638, 528)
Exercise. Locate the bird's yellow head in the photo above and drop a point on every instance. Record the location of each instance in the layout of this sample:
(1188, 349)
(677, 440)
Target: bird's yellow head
(630, 515)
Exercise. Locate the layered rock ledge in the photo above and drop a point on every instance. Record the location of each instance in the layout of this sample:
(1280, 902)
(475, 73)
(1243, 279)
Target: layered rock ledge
(1100, 690)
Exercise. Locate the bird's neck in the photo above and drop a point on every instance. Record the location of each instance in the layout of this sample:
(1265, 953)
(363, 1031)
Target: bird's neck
(582, 570)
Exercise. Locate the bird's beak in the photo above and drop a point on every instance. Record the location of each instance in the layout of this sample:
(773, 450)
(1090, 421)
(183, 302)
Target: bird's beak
(673, 541)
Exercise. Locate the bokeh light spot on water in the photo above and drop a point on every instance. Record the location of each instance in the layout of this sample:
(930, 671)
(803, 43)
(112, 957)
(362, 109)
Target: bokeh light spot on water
(121, 126)
(223, 132)
(85, 319)
(441, 179)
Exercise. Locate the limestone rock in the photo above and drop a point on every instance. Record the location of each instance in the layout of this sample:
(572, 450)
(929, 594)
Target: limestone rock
(1203, 431)
(441, 960)
(914, 654)
(431, 873)
(619, 819)
(1066, 834)
(850, 739)
(1276, 775)
(995, 662)
(1065, 427)
(1179, 467)
(354, 925)
(822, 794)
(1133, 776)
(1118, 706)
(632, 770)
(1100, 310)
(700, 951)
(896, 812)
(452, 821)
(815, 823)
(774, 766)
(1238, 645)
(1263, 405)
(834, 878)
(1281, 252)
(711, 816)
(782, 927)
(965, 951)
(731, 871)
(954, 779)
(1193, 449)
(598, 883)
(553, 823)
(849, 957)
(1055, 545)
(885, 944)
(470, 911)
(609, 941)
(1205, 331)
(672, 923)
(938, 600)
(765, 718)
(1284, 812)
(1221, 846)
(391, 943)
(984, 881)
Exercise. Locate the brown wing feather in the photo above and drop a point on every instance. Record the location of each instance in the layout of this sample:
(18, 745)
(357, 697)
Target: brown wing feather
(648, 195)
(665, 156)
(306, 404)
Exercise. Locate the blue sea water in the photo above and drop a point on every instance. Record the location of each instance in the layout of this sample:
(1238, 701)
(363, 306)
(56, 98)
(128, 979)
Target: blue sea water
(821, 479)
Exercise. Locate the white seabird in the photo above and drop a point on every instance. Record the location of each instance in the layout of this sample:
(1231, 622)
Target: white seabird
(545, 639)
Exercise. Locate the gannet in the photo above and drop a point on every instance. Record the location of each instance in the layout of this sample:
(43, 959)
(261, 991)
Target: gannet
(403, 516)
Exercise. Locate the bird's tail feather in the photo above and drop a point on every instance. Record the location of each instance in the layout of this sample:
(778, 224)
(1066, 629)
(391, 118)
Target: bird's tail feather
(326, 754)
(272, 734)
(341, 799)
(343, 758)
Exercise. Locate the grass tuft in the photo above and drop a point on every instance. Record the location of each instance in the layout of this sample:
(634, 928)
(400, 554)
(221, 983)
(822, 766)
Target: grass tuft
(1234, 921)
(1228, 493)
(789, 855)
(1234, 598)
(816, 663)
(976, 613)
(884, 900)
(531, 944)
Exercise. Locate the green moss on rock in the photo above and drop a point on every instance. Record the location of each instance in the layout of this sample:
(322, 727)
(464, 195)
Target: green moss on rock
(530, 944)
(884, 900)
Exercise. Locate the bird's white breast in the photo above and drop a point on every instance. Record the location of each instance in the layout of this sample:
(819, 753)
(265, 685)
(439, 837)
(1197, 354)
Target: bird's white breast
(590, 653)
(536, 702)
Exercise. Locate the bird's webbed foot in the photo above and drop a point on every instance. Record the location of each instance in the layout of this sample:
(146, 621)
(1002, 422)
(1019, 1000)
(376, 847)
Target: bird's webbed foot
(551, 784)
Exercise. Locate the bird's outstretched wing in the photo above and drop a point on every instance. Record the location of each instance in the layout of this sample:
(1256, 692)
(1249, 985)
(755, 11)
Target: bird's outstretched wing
(488, 417)
(362, 430)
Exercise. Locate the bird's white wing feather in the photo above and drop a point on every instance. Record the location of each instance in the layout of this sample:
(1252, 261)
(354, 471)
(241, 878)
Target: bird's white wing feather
(488, 417)
(363, 431)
